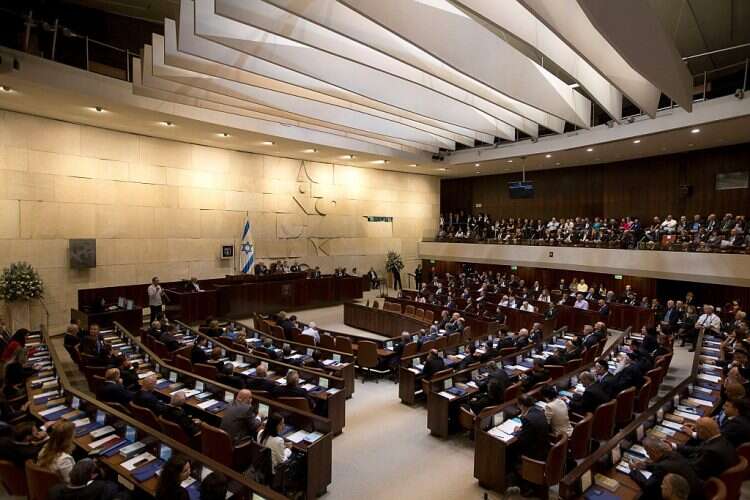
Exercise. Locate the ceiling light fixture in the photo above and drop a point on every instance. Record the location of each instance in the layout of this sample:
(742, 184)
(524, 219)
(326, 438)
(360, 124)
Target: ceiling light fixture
(167, 124)
(224, 134)
(589, 149)
(637, 141)
(476, 164)
(442, 169)
(311, 150)
(267, 143)
(510, 161)
(548, 156)
(413, 164)
(98, 109)
(695, 131)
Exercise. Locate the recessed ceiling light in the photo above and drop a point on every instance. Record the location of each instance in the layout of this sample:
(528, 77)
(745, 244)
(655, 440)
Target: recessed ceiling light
(548, 156)
(380, 162)
(224, 134)
(476, 164)
(166, 124)
(311, 150)
(637, 141)
(347, 157)
(413, 164)
(267, 143)
(589, 149)
(6, 89)
(98, 109)
(695, 131)
(442, 169)
(510, 161)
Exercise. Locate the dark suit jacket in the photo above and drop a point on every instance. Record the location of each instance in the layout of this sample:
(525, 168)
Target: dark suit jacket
(150, 401)
(259, 384)
(630, 376)
(284, 391)
(736, 430)
(670, 463)
(231, 380)
(534, 378)
(129, 379)
(432, 366)
(18, 453)
(198, 355)
(98, 489)
(169, 341)
(608, 384)
(533, 439)
(178, 415)
(594, 396)
(710, 458)
(240, 422)
(112, 392)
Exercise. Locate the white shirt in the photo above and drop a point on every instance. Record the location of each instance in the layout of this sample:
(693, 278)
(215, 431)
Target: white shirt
(581, 304)
(62, 465)
(312, 333)
(709, 321)
(154, 295)
(527, 307)
(279, 452)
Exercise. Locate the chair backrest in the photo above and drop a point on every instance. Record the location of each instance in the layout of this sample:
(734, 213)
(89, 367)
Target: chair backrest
(427, 346)
(260, 460)
(714, 489)
(441, 343)
(183, 363)
(588, 356)
(216, 444)
(733, 477)
(375, 304)
(555, 371)
(505, 351)
(409, 311)
(454, 339)
(556, 461)
(327, 341)
(295, 333)
(573, 365)
(466, 418)
(205, 370)
(13, 479)
(429, 316)
(145, 415)
(367, 354)
(299, 403)
(580, 440)
(306, 340)
(39, 481)
(277, 331)
(512, 392)
(409, 349)
(95, 384)
(174, 431)
(744, 451)
(344, 344)
(119, 407)
(467, 335)
(604, 421)
(656, 376)
(644, 396)
(625, 406)
(419, 314)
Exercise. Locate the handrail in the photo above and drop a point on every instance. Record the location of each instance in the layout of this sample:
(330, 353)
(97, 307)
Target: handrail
(290, 342)
(175, 445)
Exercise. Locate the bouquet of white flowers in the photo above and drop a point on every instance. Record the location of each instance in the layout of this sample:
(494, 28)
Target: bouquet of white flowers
(20, 281)
(393, 262)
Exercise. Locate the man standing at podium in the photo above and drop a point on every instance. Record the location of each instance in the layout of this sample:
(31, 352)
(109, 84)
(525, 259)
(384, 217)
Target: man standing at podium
(155, 296)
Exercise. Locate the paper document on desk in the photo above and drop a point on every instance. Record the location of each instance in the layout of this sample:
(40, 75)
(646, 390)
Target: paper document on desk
(502, 436)
(313, 436)
(709, 378)
(697, 401)
(687, 416)
(137, 461)
(145, 374)
(207, 404)
(671, 425)
(447, 395)
(509, 426)
(297, 437)
(414, 371)
(666, 430)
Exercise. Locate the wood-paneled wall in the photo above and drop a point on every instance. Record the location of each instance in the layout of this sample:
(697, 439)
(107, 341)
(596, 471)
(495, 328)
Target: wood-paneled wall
(641, 188)
(644, 287)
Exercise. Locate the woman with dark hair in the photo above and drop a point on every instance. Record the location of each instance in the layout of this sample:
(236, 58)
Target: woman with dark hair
(269, 437)
(16, 349)
(174, 472)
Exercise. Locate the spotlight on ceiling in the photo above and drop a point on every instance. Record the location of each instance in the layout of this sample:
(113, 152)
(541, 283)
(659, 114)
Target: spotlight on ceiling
(413, 164)
(476, 164)
(637, 141)
(589, 149)
(267, 143)
(695, 131)
(548, 156)
(311, 150)
(167, 124)
(224, 134)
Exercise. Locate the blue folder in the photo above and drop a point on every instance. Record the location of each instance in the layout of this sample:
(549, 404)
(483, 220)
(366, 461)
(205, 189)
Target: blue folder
(147, 471)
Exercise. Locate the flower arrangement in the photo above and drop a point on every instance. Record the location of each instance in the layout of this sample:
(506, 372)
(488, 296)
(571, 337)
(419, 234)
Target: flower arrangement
(20, 282)
(393, 262)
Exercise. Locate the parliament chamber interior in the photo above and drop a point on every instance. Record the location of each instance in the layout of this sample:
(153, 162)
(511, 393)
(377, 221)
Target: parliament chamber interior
(359, 249)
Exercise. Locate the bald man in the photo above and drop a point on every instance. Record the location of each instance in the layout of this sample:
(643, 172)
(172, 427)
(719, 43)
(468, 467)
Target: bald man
(713, 454)
(664, 461)
(240, 420)
(112, 390)
(147, 398)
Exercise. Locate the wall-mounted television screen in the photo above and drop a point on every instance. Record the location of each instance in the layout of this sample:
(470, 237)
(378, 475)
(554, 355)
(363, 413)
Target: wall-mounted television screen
(521, 189)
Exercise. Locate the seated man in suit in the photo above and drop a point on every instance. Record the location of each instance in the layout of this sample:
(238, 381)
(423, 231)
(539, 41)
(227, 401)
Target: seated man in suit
(494, 395)
(240, 420)
(87, 483)
(533, 433)
(175, 412)
(112, 390)
(713, 455)
(227, 376)
(214, 330)
(169, 339)
(470, 356)
(292, 389)
(489, 351)
(522, 339)
(128, 372)
(21, 442)
(735, 426)
(593, 396)
(146, 397)
(603, 377)
(662, 461)
(197, 354)
(215, 358)
(93, 345)
(537, 374)
(259, 382)
(628, 373)
(432, 364)
(155, 329)
(288, 324)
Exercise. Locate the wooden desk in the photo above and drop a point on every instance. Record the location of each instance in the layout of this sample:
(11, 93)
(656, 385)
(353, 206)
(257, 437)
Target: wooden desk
(386, 323)
(106, 319)
(192, 307)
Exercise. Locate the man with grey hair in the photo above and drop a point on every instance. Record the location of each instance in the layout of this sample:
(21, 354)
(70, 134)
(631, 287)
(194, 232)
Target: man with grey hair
(292, 389)
(312, 331)
(176, 413)
(675, 487)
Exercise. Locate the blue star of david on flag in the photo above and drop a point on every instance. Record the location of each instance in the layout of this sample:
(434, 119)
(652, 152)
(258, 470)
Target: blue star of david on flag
(247, 249)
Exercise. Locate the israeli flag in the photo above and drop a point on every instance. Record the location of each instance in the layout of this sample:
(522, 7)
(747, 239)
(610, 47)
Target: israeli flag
(247, 250)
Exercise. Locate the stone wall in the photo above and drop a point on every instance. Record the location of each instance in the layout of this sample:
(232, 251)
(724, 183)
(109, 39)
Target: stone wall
(160, 207)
